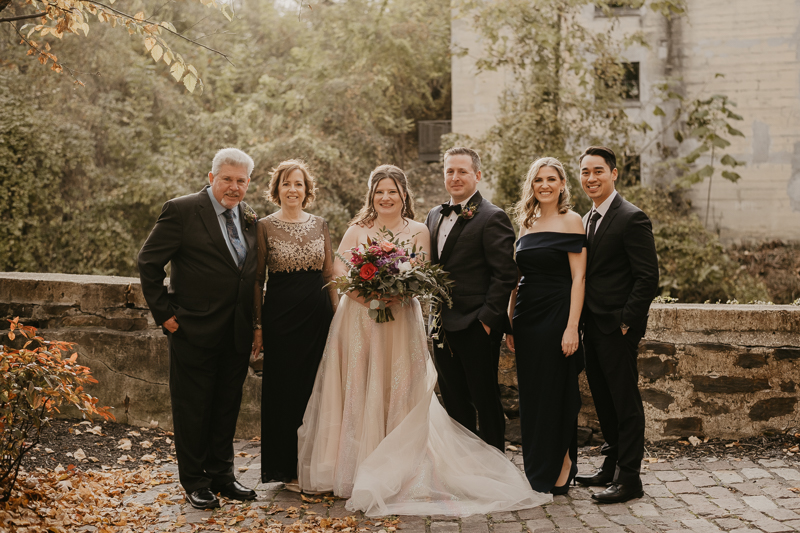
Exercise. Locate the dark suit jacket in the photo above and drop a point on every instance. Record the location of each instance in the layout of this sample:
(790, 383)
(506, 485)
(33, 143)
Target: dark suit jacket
(479, 255)
(207, 292)
(622, 268)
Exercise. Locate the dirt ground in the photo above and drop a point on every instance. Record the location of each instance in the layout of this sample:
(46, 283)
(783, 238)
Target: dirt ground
(97, 444)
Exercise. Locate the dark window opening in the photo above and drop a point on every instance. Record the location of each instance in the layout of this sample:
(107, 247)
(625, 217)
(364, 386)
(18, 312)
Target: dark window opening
(620, 8)
(430, 138)
(630, 81)
(626, 85)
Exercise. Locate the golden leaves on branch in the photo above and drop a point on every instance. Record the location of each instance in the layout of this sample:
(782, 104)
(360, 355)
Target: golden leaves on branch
(72, 16)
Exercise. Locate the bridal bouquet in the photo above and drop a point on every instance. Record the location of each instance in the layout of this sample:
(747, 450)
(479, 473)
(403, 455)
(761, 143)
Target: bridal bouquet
(387, 267)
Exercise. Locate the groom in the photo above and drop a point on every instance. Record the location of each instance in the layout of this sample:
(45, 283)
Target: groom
(209, 238)
(474, 241)
(621, 281)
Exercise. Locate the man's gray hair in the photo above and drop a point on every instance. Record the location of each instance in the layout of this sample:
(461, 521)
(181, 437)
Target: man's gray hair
(234, 157)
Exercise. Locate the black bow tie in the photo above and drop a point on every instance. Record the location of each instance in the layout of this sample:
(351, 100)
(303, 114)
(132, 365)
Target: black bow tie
(447, 209)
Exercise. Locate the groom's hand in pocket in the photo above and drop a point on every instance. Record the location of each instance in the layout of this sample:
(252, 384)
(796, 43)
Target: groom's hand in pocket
(486, 328)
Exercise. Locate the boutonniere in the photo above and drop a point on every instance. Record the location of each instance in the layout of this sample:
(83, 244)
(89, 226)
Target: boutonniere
(250, 216)
(468, 211)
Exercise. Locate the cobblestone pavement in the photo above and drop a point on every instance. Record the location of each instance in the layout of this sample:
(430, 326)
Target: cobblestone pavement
(681, 495)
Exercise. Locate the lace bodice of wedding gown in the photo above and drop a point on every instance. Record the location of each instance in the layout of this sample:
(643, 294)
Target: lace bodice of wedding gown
(375, 432)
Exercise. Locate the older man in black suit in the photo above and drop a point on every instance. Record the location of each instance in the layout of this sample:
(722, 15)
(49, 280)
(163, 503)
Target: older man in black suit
(207, 313)
(474, 241)
(621, 281)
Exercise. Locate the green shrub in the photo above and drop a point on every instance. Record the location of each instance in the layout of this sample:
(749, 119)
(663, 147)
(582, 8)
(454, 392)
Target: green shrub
(693, 264)
(36, 377)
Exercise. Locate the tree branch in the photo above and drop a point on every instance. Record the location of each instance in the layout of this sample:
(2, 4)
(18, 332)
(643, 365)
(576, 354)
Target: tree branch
(23, 17)
(157, 24)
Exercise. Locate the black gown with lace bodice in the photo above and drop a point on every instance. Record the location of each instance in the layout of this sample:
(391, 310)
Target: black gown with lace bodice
(549, 398)
(295, 313)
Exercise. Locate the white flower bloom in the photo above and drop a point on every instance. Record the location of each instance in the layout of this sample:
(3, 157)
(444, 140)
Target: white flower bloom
(404, 266)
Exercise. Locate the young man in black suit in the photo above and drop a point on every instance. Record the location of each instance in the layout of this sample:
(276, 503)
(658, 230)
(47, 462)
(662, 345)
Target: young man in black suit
(207, 313)
(621, 281)
(474, 241)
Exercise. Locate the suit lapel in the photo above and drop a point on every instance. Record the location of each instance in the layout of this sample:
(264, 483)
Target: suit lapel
(605, 222)
(450, 243)
(438, 217)
(209, 217)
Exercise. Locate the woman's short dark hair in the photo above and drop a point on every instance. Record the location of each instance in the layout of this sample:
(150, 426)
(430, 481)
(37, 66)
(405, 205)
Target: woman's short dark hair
(607, 154)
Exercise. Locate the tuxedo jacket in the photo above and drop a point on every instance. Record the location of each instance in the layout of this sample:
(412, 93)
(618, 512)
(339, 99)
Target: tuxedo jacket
(479, 255)
(622, 268)
(207, 292)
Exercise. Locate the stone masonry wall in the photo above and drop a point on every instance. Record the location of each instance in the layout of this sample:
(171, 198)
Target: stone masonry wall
(117, 338)
(723, 371)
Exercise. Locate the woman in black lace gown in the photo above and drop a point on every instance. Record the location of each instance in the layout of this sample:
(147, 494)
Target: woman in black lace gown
(295, 314)
(545, 311)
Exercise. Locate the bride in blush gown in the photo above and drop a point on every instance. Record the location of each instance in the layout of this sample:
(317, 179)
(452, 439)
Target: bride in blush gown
(373, 430)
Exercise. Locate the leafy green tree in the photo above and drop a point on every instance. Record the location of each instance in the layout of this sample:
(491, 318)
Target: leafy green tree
(85, 170)
(706, 122)
(567, 89)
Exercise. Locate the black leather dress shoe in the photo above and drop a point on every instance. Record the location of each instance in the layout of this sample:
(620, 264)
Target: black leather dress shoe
(235, 491)
(202, 499)
(598, 479)
(618, 493)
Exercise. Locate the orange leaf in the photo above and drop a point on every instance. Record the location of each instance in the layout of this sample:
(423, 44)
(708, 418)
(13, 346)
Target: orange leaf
(11, 335)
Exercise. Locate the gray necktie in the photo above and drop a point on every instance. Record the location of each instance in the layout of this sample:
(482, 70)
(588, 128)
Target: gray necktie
(592, 225)
(233, 236)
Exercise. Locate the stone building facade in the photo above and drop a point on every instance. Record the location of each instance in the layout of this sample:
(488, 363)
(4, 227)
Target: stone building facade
(755, 45)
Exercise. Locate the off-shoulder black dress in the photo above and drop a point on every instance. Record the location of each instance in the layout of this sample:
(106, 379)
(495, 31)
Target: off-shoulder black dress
(549, 398)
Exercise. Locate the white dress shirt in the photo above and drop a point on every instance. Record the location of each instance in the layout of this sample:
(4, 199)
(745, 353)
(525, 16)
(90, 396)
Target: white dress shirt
(602, 209)
(447, 225)
(219, 209)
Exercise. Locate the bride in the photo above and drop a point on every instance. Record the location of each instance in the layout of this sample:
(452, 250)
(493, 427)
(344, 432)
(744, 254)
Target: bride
(373, 430)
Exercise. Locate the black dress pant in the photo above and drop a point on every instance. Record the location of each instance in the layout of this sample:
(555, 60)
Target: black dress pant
(205, 385)
(467, 365)
(611, 368)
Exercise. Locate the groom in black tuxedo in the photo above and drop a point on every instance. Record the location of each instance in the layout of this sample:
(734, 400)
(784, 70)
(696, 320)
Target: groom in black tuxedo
(474, 241)
(621, 281)
(207, 313)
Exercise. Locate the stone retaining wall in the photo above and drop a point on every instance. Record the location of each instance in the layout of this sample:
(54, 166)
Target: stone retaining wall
(724, 371)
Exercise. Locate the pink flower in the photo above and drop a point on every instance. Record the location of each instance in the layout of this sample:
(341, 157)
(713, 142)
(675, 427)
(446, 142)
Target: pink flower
(387, 246)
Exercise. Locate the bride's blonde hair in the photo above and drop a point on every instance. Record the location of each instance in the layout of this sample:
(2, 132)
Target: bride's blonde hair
(528, 208)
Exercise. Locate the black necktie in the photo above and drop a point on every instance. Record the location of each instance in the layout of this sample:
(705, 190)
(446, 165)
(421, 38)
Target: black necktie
(592, 225)
(447, 209)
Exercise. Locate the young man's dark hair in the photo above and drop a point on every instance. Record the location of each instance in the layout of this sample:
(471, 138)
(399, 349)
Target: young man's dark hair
(606, 153)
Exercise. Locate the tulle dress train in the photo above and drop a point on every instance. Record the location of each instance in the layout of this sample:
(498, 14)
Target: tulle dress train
(374, 431)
